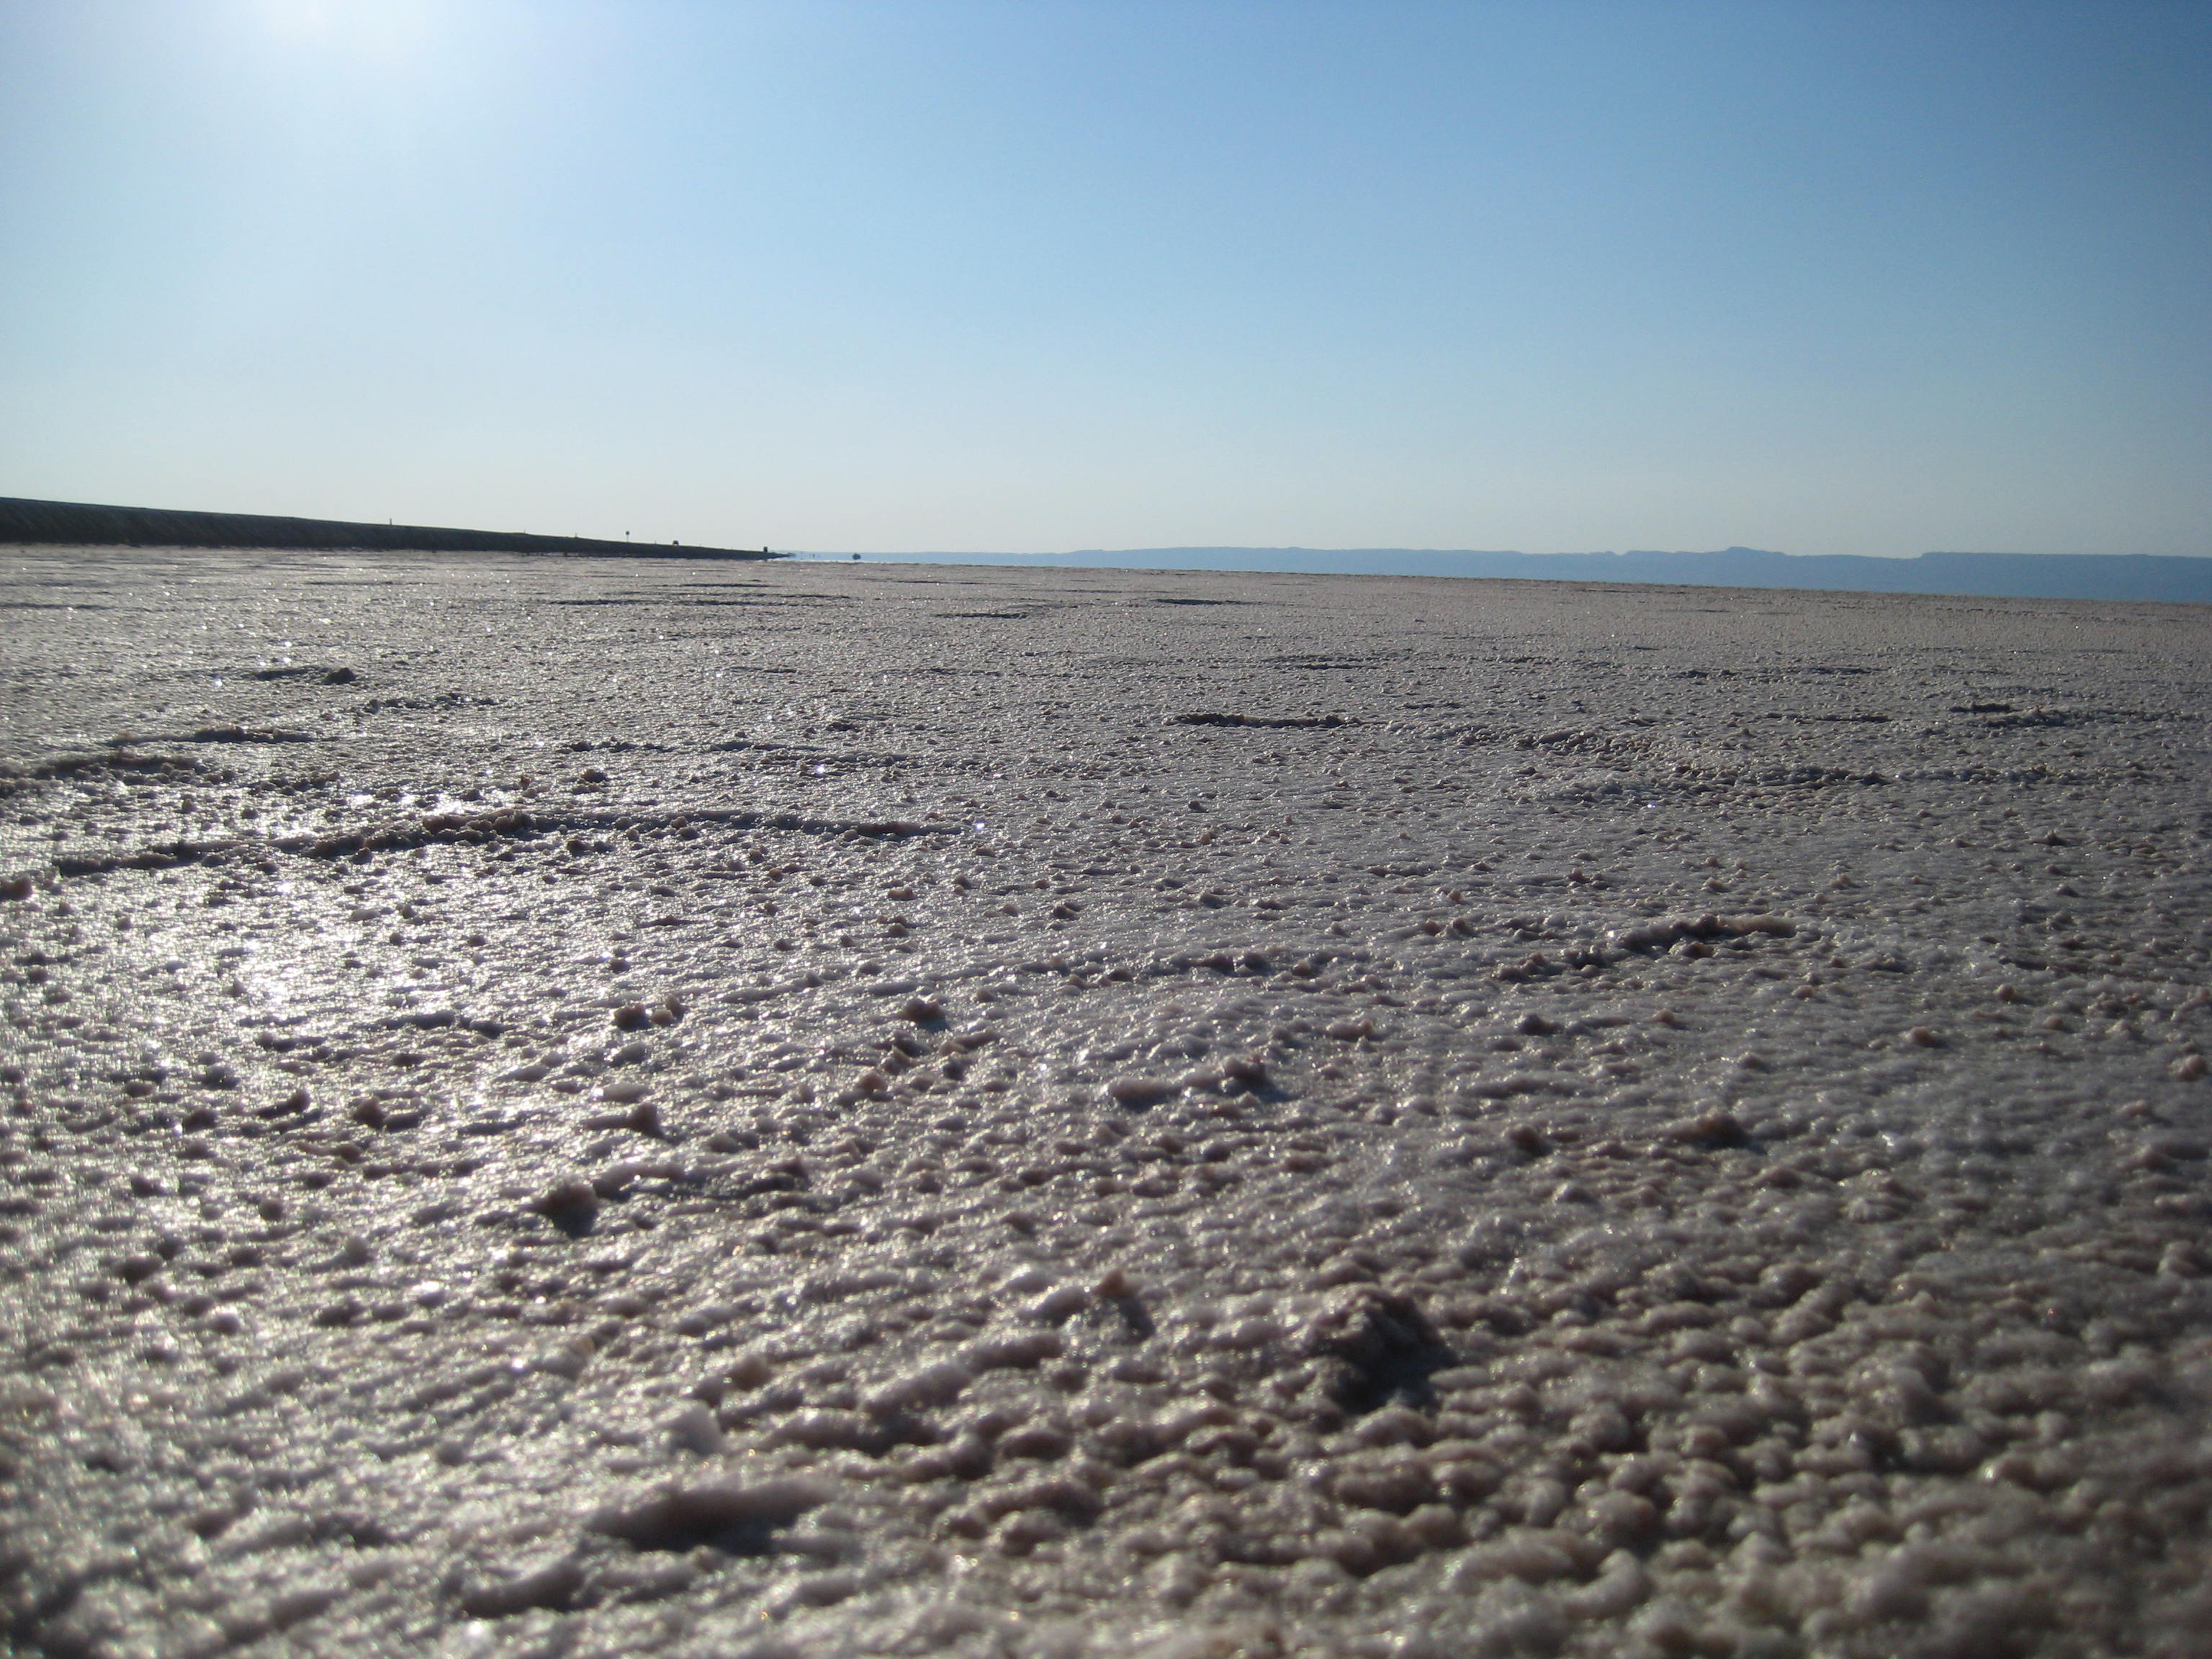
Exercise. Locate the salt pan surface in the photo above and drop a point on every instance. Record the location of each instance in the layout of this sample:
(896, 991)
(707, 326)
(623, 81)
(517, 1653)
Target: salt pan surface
(582, 1108)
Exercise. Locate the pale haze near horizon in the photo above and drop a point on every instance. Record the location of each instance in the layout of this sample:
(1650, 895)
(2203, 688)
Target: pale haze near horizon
(1822, 278)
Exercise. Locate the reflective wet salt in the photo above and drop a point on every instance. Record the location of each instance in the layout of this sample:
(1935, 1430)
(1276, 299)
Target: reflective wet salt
(796, 1109)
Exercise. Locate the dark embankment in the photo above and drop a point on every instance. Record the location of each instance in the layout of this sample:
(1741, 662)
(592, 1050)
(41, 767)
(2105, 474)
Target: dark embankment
(74, 523)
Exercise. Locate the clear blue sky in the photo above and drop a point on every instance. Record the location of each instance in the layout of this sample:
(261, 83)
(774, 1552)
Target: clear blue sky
(1830, 278)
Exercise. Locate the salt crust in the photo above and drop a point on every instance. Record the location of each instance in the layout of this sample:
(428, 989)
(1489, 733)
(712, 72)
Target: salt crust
(782, 1111)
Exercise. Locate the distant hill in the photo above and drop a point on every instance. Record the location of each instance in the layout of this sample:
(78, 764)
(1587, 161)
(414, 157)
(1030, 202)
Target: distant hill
(1992, 575)
(73, 524)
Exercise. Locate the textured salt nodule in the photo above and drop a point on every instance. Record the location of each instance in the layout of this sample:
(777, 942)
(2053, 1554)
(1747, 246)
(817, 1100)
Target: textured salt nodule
(679, 1515)
(1476, 1186)
(551, 1585)
(1142, 1091)
(937, 1384)
(573, 1200)
(1012, 1350)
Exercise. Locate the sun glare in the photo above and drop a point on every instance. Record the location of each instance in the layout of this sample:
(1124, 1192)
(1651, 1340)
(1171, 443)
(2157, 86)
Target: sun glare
(366, 28)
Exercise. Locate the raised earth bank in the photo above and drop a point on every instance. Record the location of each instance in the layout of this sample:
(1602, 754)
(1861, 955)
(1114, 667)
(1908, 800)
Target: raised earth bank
(74, 523)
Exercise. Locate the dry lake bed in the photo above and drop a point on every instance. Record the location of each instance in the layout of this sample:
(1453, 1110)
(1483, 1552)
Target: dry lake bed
(582, 1108)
